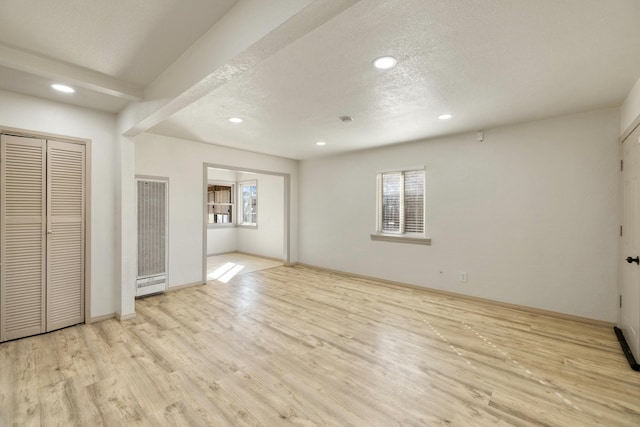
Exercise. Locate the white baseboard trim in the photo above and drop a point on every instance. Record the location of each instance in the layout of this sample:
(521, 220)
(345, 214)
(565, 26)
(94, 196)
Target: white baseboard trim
(248, 253)
(101, 318)
(261, 256)
(222, 253)
(125, 317)
(186, 285)
(533, 310)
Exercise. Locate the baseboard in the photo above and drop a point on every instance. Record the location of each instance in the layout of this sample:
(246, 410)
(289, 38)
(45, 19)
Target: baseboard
(122, 318)
(222, 253)
(247, 253)
(101, 318)
(186, 285)
(260, 256)
(532, 310)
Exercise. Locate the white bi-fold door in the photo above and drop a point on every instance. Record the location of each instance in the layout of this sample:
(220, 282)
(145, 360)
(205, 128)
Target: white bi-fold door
(42, 235)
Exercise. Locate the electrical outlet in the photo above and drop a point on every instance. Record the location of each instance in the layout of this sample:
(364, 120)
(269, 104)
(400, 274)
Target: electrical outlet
(462, 277)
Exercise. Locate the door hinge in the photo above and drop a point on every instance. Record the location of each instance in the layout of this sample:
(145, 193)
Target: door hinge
(620, 303)
(620, 231)
(621, 165)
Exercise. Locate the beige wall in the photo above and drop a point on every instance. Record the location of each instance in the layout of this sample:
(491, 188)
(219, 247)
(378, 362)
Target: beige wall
(530, 214)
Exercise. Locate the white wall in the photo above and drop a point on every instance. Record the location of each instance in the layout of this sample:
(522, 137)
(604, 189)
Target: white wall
(267, 238)
(182, 161)
(222, 240)
(630, 108)
(38, 115)
(531, 214)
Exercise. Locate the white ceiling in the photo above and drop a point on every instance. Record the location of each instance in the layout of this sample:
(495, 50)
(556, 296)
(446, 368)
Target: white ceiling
(489, 63)
(131, 40)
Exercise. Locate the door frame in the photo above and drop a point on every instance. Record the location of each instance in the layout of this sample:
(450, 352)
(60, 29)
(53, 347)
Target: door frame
(286, 256)
(87, 201)
(619, 332)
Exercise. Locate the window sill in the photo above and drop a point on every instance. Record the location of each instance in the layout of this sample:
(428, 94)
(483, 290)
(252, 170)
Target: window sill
(401, 238)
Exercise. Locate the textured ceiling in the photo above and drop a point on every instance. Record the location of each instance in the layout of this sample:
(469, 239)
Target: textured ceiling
(487, 62)
(291, 75)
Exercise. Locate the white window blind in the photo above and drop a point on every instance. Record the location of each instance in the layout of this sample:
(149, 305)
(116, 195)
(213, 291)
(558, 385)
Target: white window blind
(400, 208)
(414, 202)
(249, 208)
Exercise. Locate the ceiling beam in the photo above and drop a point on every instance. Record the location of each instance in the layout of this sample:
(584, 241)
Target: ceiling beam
(248, 34)
(64, 72)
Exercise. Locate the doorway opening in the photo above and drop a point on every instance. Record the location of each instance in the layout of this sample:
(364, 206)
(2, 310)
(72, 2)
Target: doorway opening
(246, 221)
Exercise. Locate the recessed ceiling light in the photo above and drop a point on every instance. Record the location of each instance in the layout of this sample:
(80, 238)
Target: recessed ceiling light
(63, 88)
(321, 143)
(385, 62)
(235, 119)
(445, 116)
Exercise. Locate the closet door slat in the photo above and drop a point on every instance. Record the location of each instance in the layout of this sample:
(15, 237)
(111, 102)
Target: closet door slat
(65, 260)
(22, 228)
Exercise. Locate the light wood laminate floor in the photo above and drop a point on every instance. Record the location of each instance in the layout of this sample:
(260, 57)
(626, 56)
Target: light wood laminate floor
(302, 347)
(224, 267)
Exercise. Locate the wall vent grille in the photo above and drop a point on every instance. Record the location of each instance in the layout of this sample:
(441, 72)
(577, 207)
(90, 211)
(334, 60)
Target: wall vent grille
(152, 219)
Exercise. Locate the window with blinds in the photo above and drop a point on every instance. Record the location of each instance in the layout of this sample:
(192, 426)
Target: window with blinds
(400, 208)
(249, 205)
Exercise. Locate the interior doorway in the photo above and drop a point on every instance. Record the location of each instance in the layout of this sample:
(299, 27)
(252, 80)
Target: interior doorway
(245, 211)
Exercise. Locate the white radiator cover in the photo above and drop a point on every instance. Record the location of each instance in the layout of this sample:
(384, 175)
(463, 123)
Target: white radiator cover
(153, 230)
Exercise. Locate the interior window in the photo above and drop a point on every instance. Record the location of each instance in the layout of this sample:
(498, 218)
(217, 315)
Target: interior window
(220, 204)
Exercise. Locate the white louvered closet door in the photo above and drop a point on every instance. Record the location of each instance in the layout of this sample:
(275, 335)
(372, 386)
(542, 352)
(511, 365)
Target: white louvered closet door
(65, 235)
(22, 243)
(42, 235)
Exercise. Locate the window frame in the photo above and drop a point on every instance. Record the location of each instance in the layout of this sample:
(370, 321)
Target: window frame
(402, 235)
(240, 203)
(232, 222)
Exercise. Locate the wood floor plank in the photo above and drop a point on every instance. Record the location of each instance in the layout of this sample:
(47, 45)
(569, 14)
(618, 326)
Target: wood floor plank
(303, 347)
(24, 401)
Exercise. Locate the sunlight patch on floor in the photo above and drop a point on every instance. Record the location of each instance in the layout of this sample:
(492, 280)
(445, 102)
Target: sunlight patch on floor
(225, 272)
(229, 274)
